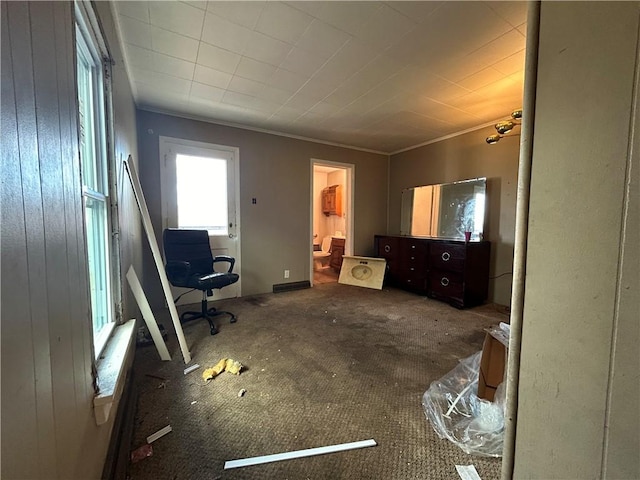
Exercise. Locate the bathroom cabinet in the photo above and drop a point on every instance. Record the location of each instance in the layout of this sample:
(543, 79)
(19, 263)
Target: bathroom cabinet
(332, 200)
(337, 251)
(449, 270)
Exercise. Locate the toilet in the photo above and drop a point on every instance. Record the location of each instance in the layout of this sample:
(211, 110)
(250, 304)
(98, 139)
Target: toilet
(322, 256)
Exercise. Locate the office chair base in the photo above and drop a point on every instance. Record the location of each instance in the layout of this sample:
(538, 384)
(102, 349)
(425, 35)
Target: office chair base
(207, 313)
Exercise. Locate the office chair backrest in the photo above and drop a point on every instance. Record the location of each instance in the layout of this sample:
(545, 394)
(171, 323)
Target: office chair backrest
(188, 246)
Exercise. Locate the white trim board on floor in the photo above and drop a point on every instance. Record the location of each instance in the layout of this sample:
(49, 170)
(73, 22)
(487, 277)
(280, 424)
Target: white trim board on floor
(245, 462)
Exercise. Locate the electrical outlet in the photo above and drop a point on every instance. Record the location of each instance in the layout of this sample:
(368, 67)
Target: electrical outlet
(286, 274)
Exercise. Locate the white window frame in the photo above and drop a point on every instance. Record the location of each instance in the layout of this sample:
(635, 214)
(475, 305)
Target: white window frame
(91, 46)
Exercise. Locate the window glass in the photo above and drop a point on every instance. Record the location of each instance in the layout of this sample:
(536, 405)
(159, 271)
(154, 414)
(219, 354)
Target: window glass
(93, 162)
(201, 184)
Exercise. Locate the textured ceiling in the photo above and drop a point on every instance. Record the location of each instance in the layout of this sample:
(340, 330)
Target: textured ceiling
(383, 76)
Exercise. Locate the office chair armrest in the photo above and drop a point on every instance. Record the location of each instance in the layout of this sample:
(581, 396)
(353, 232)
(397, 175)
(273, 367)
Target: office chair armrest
(225, 258)
(178, 271)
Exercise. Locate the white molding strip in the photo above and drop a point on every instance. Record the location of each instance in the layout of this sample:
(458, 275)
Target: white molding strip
(147, 314)
(148, 227)
(298, 454)
(160, 433)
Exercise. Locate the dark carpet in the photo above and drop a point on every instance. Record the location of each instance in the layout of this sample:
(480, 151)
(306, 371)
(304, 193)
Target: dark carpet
(327, 365)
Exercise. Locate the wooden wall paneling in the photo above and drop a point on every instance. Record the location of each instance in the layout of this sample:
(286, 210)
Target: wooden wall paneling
(37, 298)
(18, 379)
(55, 239)
(80, 348)
(65, 60)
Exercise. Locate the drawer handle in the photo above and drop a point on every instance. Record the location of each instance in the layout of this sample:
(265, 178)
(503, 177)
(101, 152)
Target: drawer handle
(409, 281)
(446, 256)
(387, 248)
(413, 258)
(444, 281)
(413, 246)
(412, 269)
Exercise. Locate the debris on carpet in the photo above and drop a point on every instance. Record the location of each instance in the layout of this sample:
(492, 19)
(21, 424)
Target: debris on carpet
(225, 365)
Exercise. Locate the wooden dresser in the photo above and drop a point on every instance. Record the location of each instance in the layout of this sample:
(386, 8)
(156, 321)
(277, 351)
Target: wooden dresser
(449, 270)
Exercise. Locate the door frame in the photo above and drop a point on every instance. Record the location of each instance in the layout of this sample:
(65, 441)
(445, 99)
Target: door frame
(350, 170)
(164, 143)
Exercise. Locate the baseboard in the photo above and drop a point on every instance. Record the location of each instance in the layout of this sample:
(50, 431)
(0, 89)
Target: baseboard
(118, 456)
(286, 287)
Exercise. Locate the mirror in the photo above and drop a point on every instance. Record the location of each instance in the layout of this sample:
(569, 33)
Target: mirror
(446, 210)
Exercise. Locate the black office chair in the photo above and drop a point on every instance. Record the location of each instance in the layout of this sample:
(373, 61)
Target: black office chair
(190, 265)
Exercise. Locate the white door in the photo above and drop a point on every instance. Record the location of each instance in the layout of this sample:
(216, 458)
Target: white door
(200, 191)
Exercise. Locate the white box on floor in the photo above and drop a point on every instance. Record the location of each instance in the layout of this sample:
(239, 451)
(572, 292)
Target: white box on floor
(362, 271)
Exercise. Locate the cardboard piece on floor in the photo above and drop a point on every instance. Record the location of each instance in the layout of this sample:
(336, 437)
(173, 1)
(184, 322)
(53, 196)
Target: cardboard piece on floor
(245, 462)
(147, 314)
(493, 363)
(365, 272)
(148, 228)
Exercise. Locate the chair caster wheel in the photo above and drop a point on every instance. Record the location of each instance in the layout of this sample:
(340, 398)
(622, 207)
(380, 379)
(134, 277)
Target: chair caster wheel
(233, 320)
(214, 331)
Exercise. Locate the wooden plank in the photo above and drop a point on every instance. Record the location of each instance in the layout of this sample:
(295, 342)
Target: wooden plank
(277, 457)
(18, 378)
(20, 31)
(44, 48)
(151, 237)
(147, 314)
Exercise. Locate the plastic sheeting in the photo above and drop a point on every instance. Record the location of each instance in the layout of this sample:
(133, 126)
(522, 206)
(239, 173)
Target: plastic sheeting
(456, 413)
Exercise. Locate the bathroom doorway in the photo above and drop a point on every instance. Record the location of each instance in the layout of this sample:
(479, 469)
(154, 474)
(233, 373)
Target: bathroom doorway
(331, 218)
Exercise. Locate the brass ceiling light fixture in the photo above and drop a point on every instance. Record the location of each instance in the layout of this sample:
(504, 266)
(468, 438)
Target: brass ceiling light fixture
(505, 127)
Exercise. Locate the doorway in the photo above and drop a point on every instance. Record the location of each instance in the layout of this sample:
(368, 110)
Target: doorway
(200, 191)
(331, 218)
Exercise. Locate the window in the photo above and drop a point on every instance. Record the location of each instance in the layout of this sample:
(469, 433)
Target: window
(201, 184)
(95, 180)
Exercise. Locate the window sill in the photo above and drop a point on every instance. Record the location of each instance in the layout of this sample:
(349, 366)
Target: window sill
(111, 370)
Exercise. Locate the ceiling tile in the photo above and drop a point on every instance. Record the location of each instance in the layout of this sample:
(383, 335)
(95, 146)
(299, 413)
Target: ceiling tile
(322, 38)
(511, 64)
(202, 91)
(275, 95)
(283, 22)
(214, 57)
(302, 62)
(211, 77)
(481, 79)
(415, 11)
(137, 10)
(244, 85)
(242, 13)
(513, 12)
(347, 16)
(287, 81)
(423, 70)
(311, 7)
(255, 70)
(202, 5)
(353, 56)
(135, 32)
(167, 83)
(266, 49)
(157, 62)
(384, 26)
(225, 34)
(173, 44)
(177, 17)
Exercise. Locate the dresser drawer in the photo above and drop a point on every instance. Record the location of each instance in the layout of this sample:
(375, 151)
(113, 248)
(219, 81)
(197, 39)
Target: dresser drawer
(446, 285)
(388, 247)
(447, 256)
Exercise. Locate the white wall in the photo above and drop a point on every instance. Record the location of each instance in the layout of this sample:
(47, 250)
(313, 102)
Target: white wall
(578, 397)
